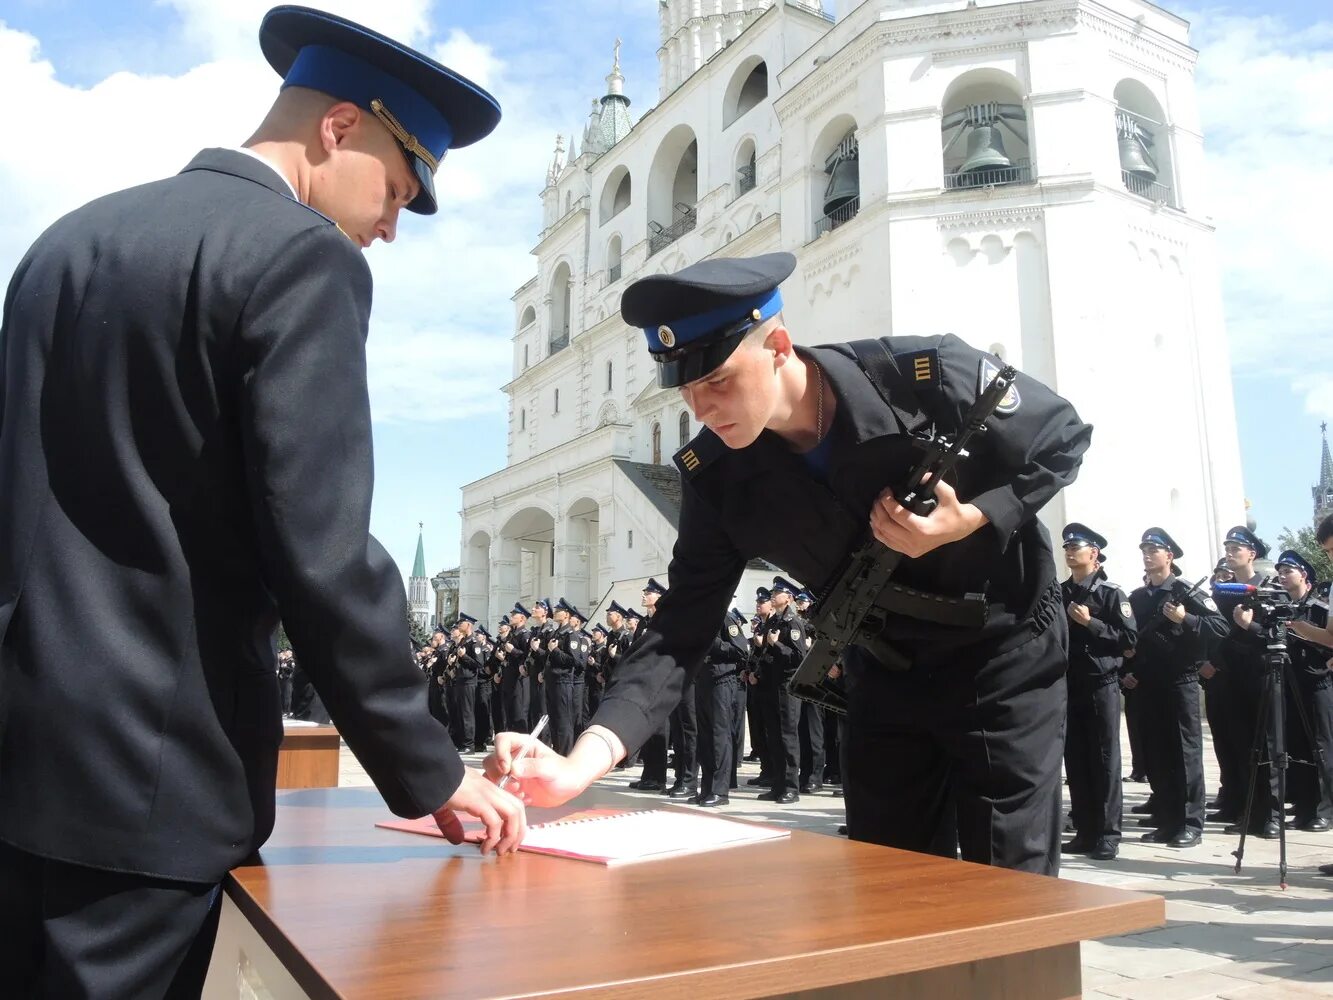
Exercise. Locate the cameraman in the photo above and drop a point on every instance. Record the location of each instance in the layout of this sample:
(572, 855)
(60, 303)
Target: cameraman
(1309, 693)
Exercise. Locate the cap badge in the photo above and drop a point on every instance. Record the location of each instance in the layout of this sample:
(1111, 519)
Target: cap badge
(667, 337)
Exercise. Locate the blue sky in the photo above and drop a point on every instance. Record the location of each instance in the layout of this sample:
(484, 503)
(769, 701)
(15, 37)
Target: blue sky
(440, 340)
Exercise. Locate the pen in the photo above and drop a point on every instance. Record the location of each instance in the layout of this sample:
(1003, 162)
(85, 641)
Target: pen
(528, 746)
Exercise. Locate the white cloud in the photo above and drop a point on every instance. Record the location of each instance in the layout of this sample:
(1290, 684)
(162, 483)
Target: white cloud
(1268, 126)
(442, 318)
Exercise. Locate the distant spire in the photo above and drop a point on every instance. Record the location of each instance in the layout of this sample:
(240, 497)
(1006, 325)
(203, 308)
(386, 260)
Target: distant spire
(615, 121)
(419, 564)
(1323, 493)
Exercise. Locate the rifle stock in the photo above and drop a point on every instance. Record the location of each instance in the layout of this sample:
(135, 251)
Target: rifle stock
(846, 613)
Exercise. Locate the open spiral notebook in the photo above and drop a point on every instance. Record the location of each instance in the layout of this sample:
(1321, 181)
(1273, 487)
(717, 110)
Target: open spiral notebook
(619, 836)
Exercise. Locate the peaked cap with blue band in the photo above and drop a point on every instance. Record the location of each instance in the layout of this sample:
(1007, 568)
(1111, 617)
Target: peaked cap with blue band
(1241, 535)
(520, 610)
(653, 587)
(428, 108)
(1159, 537)
(1080, 534)
(694, 319)
(615, 606)
(762, 594)
(781, 585)
(1294, 559)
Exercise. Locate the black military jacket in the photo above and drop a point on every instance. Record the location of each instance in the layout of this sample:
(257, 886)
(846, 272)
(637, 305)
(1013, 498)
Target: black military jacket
(1167, 651)
(1031, 451)
(571, 650)
(1239, 651)
(471, 656)
(730, 651)
(1311, 658)
(1097, 648)
(537, 644)
(784, 651)
(185, 458)
(516, 659)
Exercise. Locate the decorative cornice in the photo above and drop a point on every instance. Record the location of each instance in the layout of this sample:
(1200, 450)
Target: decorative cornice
(1139, 66)
(991, 218)
(825, 262)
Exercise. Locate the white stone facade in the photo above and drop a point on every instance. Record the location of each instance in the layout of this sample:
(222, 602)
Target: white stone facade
(1100, 284)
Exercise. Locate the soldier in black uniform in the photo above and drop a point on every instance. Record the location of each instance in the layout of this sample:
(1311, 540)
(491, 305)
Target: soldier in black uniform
(784, 646)
(961, 750)
(484, 644)
(515, 681)
(595, 671)
(715, 694)
(1101, 632)
(538, 638)
(739, 694)
(437, 677)
(653, 777)
(285, 681)
(577, 621)
(564, 653)
(1175, 633)
(810, 729)
(763, 608)
(494, 674)
(1238, 658)
(1309, 693)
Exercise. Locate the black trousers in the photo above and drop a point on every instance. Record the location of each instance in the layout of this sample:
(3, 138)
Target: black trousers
(685, 724)
(1231, 771)
(811, 732)
(1138, 751)
(537, 695)
(1175, 737)
(754, 713)
(716, 702)
(497, 708)
(832, 748)
(1310, 786)
(69, 931)
(1092, 761)
(739, 696)
(464, 711)
(782, 720)
(482, 709)
(561, 706)
(654, 756)
(964, 756)
(437, 700)
(515, 690)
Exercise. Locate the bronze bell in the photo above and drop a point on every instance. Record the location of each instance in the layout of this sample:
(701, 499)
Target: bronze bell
(985, 150)
(1135, 159)
(844, 185)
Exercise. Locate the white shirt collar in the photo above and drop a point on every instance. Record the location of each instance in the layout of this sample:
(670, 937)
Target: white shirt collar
(271, 165)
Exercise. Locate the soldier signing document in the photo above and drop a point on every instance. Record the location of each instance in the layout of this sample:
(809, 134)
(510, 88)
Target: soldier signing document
(185, 448)
(959, 751)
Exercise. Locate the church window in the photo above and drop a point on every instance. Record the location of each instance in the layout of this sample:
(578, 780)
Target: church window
(557, 401)
(609, 372)
(684, 428)
(657, 443)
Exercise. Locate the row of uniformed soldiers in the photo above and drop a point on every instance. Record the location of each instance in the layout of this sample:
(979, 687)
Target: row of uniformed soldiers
(1158, 645)
(540, 662)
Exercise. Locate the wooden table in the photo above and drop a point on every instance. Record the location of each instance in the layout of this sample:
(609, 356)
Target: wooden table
(308, 757)
(338, 908)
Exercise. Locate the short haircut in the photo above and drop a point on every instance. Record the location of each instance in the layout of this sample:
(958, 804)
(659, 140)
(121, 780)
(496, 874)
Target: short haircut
(1325, 530)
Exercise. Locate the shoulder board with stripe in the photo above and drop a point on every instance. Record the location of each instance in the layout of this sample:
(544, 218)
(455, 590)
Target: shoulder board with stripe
(919, 367)
(699, 453)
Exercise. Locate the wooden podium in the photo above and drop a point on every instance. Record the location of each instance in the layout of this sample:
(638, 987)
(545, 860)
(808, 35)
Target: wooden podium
(338, 908)
(308, 757)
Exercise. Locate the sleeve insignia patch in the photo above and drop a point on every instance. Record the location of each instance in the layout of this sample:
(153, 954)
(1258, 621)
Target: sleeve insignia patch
(1125, 610)
(733, 631)
(988, 370)
(795, 635)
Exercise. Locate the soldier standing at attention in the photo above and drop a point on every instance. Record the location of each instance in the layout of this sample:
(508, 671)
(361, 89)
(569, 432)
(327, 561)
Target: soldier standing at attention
(962, 749)
(1101, 631)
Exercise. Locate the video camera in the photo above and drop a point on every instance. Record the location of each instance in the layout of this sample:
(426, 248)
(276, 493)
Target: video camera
(1269, 601)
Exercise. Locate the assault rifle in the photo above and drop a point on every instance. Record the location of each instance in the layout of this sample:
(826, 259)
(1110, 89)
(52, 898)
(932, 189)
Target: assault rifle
(1178, 597)
(854, 608)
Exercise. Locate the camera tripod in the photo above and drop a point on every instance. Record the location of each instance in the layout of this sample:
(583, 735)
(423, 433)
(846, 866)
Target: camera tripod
(1277, 661)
